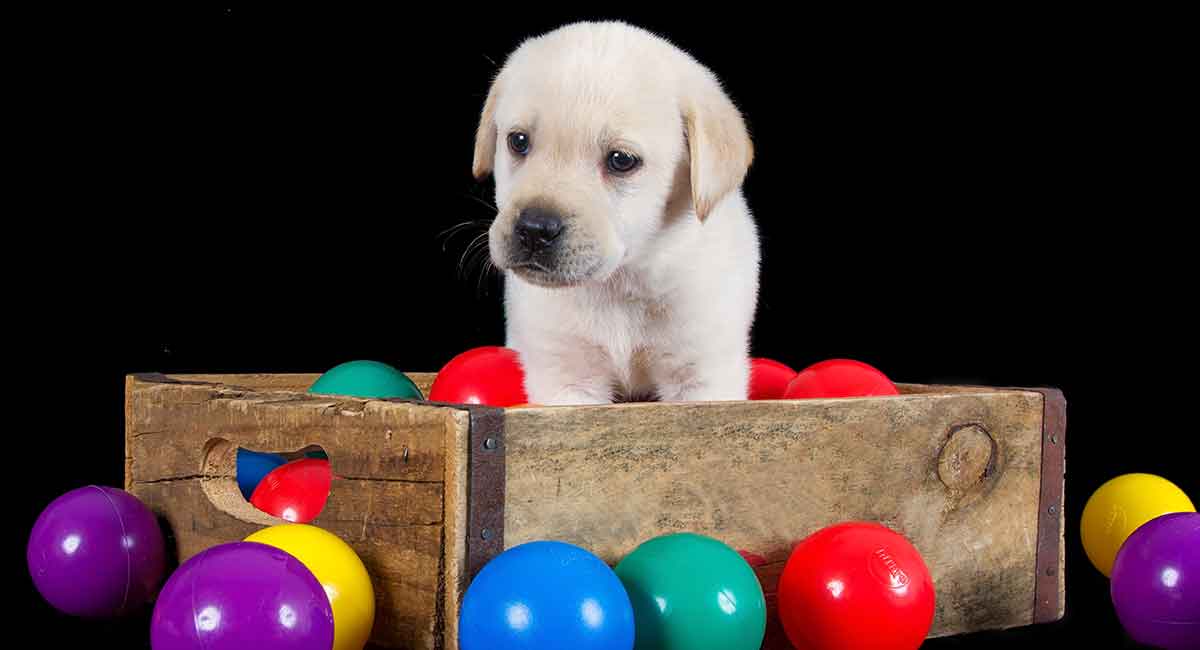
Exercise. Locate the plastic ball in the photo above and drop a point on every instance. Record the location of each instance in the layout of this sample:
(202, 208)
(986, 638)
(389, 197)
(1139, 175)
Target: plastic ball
(769, 378)
(339, 570)
(369, 379)
(839, 378)
(546, 594)
(487, 375)
(1155, 584)
(252, 467)
(96, 552)
(692, 592)
(242, 596)
(295, 492)
(1119, 506)
(856, 585)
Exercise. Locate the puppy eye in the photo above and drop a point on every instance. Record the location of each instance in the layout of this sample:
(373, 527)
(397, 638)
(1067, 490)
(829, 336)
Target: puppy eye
(518, 142)
(622, 162)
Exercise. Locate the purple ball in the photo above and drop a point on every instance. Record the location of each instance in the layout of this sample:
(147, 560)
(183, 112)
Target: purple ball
(1156, 582)
(242, 595)
(96, 552)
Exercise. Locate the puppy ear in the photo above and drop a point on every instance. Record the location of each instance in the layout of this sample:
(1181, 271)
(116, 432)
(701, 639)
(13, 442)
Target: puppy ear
(485, 135)
(718, 142)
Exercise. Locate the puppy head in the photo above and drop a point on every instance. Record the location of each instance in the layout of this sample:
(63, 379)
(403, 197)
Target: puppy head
(599, 135)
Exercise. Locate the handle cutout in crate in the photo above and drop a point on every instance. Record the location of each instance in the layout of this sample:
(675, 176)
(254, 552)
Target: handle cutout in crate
(248, 484)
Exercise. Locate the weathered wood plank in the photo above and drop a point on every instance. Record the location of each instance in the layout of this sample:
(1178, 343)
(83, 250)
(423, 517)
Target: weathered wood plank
(922, 389)
(129, 384)
(257, 382)
(366, 439)
(455, 565)
(762, 475)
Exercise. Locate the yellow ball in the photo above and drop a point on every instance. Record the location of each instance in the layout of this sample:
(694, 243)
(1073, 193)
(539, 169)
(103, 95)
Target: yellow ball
(1119, 507)
(338, 568)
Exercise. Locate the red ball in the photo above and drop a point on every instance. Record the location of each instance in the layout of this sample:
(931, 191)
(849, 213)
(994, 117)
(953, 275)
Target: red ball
(488, 375)
(769, 378)
(856, 585)
(839, 378)
(295, 492)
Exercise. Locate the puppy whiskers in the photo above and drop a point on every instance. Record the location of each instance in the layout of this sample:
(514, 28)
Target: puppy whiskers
(483, 203)
(473, 248)
(450, 232)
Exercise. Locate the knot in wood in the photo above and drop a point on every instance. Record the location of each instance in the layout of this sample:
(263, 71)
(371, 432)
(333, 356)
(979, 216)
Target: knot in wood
(967, 457)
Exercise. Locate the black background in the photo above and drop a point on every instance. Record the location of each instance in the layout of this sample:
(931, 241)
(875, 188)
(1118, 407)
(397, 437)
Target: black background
(986, 198)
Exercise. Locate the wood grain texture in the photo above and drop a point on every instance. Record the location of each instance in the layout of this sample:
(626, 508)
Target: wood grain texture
(760, 476)
(387, 500)
(129, 383)
(366, 439)
(456, 528)
(925, 389)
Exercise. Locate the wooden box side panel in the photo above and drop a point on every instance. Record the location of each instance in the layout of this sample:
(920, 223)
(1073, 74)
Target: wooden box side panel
(958, 473)
(387, 500)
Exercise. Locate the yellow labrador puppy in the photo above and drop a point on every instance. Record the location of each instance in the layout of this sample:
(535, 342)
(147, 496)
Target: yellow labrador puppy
(630, 257)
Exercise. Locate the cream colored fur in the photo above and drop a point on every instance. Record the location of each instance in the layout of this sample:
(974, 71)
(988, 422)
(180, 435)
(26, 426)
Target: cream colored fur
(657, 287)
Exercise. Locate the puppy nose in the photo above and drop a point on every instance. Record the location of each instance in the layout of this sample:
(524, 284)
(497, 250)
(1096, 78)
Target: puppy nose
(537, 228)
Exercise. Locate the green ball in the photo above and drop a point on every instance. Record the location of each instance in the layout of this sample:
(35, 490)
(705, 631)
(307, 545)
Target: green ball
(366, 379)
(691, 592)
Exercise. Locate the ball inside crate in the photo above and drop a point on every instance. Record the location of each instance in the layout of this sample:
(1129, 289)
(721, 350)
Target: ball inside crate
(426, 493)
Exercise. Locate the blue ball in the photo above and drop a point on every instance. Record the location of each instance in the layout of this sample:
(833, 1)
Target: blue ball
(546, 595)
(252, 467)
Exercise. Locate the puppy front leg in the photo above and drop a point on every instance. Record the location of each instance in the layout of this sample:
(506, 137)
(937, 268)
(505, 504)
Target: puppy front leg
(564, 379)
(568, 391)
(711, 380)
(575, 396)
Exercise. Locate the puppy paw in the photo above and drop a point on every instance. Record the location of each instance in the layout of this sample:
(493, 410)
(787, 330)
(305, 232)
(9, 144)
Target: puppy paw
(704, 392)
(573, 397)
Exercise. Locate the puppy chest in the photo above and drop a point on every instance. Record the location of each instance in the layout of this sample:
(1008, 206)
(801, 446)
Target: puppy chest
(635, 339)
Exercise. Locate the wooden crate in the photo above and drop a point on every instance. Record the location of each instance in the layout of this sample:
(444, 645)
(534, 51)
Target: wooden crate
(427, 493)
